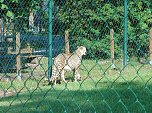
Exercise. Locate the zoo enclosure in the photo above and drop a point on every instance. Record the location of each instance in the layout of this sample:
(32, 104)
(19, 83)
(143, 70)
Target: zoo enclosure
(90, 24)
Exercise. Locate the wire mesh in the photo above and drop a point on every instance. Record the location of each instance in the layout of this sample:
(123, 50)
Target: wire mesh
(106, 85)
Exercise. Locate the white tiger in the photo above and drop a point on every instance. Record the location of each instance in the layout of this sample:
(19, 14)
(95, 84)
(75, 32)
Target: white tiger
(67, 62)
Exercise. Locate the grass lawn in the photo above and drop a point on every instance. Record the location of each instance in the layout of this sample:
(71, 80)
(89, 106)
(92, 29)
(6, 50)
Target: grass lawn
(101, 90)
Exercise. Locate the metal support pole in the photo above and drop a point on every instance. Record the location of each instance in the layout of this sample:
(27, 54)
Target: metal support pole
(125, 34)
(50, 40)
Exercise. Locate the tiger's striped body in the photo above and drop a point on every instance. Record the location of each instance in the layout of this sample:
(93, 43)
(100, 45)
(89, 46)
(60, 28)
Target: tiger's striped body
(67, 62)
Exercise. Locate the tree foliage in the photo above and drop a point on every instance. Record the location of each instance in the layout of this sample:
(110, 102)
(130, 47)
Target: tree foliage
(90, 21)
(18, 11)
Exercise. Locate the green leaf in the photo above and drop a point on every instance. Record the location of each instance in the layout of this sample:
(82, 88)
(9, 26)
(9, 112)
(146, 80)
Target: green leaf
(15, 1)
(4, 6)
(10, 14)
(1, 1)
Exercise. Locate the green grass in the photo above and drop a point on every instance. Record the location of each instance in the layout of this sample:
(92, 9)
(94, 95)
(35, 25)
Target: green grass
(101, 90)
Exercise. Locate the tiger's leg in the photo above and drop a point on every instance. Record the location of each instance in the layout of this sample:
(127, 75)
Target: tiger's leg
(55, 80)
(52, 79)
(77, 75)
(62, 76)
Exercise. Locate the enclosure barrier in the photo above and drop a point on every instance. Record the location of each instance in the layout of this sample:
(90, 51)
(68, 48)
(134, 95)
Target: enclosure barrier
(115, 71)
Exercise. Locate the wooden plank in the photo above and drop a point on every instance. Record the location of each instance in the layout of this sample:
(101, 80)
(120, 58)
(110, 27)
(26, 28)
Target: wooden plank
(32, 56)
(27, 50)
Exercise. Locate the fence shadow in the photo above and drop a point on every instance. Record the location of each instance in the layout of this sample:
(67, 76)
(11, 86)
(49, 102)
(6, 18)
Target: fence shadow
(120, 98)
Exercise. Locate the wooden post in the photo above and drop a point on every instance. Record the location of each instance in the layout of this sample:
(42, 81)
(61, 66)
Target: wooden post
(18, 57)
(67, 48)
(31, 20)
(112, 43)
(2, 29)
(0, 26)
(150, 47)
(112, 47)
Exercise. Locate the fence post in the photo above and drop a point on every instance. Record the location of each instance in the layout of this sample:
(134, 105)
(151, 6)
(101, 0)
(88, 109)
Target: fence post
(112, 48)
(67, 48)
(2, 29)
(18, 56)
(50, 40)
(31, 20)
(150, 47)
(125, 34)
(1, 26)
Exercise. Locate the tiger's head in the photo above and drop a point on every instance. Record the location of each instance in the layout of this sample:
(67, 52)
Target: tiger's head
(81, 50)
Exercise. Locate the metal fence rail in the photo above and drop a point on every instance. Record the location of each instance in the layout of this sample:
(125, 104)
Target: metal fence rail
(115, 73)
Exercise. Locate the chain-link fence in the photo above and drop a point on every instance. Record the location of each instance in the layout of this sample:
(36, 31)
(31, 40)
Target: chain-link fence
(107, 46)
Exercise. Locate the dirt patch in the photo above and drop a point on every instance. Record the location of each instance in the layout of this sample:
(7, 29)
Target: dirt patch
(6, 93)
